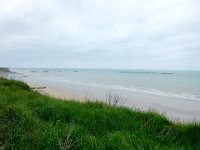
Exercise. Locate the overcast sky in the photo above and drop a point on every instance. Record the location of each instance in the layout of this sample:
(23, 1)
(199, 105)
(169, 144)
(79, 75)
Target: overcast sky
(140, 34)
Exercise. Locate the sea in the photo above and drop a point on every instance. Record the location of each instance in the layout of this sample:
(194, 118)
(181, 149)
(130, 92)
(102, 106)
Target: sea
(167, 83)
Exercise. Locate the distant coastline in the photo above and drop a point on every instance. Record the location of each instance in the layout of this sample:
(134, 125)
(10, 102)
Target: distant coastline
(4, 69)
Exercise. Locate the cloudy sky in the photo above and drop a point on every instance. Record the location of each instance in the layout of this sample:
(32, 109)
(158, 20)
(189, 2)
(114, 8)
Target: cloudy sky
(141, 34)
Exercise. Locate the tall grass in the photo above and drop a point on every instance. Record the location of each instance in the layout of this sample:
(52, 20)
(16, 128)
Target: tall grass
(29, 120)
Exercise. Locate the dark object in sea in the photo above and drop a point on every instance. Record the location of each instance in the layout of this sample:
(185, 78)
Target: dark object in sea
(24, 76)
(166, 73)
(33, 71)
(75, 71)
(45, 71)
(141, 72)
(38, 88)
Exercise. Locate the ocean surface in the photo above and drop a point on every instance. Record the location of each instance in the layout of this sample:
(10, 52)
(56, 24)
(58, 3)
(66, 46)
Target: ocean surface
(179, 84)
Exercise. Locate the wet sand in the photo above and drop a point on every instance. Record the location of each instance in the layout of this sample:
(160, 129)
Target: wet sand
(56, 92)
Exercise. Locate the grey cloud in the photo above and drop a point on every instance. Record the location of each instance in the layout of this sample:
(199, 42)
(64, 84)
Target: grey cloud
(110, 34)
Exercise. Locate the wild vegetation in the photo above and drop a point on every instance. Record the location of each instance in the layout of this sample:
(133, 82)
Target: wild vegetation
(29, 120)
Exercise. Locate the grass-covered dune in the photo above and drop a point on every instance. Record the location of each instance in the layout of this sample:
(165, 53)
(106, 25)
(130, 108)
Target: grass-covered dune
(29, 120)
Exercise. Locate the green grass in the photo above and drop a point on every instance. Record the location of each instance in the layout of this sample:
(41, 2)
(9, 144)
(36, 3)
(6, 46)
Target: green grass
(29, 120)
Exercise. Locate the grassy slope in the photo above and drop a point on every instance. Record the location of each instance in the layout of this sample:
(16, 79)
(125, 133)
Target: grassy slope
(29, 120)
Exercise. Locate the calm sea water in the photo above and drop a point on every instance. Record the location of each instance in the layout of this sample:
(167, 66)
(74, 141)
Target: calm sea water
(181, 84)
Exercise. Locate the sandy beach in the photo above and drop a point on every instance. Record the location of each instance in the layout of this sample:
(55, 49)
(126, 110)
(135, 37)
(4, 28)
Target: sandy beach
(56, 92)
(175, 109)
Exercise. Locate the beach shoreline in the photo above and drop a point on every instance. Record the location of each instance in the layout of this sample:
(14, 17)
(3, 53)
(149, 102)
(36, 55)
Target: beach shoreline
(174, 109)
(55, 92)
